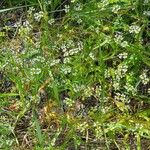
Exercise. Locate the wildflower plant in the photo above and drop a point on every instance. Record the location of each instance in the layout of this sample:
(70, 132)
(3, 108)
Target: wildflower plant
(79, 74)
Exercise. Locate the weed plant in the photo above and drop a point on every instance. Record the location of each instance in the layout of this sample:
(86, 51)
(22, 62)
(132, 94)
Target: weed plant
(75, 75)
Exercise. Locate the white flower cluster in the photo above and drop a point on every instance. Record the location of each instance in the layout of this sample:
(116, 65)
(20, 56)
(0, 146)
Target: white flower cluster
(37, 44)
(31, 10)
(27, 24)
(148, 91)
(116, 84)
(144, 78)
(80, 45)
(105, 2)
(146, 1)
(134, 29)
(78, 88)
(130, 88)
(69, 44)
(38, 16)
(78, 7)
(98, 129)
(69, 102)
(124, 44)
(118, 37)
(67, 8)
(88, 92)
(72, 1)
(67, 60)
(35, 71)
(39, 59)
(98, 90)
(73, 50)
(122, 98)
(66, 70)
(123, 55)
(92, 55)
(79, 21)
(82, 127)
(121, 71)
(115, 9)
(54, 62)
(147, 13)
(18, 60)
(108, 72)
(17, 24)
(48, 2)
(25, 29)
(51, 21)
(138, 127)
(50, 74)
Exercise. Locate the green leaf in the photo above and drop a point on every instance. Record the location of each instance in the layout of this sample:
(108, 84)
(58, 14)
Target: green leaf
(8, 94)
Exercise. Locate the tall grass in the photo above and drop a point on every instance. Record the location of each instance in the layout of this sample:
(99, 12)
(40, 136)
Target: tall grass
(75, 75)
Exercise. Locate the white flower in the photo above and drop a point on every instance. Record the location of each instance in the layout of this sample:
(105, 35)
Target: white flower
(51, 21)
(147, 13)
(59, 35)
(116, 85)
(39, 59)
(92, 55)
(17, 24)
(124, 44)
(105, 2)
(69, 102)
(78, 88)
(74, 51)
(121, 71)
(37, 44)
(66, 54)
(67, 8)
(54, 62)
(98, 129)
(80, 45)
(70, 43)
(50, 73)
(134, 29)
(130, 88)
(148, 91)
(108, 72)
(98, 90)
(78, 7)
(31, 10)
(88, 92)
(121, 97)
(123, 55)
(79, 21)
(115, 9)
(35, 71)
(146, 1)
(66, 69)
(82, 127)
(48, 2)
(118, 37)
(144, 78)
(72, 1)
(38, 16)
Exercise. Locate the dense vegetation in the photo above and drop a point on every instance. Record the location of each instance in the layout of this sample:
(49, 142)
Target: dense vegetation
(75, 74)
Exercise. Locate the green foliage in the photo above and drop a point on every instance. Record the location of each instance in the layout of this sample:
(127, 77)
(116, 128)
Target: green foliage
(75, 74)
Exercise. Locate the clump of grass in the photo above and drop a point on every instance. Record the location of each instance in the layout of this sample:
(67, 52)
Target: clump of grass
(79, 74)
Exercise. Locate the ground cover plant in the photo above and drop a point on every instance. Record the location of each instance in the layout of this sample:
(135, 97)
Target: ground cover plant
(75, 74)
